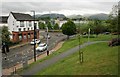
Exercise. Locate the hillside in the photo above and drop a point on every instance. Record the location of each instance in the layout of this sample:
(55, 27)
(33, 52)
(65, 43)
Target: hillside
(51, 16)
(100, 16)
(74, 16)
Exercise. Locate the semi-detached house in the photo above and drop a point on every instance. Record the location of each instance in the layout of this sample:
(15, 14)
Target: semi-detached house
(21, 26)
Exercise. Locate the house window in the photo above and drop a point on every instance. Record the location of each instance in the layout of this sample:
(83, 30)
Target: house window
(25, 36)
(31, 28)
(24, 29)
(30, 23)
(28, 35)
(28, 28)
(19, 29)
(21, 23)
(20, 37)
(13, 22)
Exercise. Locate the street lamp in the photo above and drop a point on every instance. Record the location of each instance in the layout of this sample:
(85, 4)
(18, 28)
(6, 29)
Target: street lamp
(47, 42)
(34, 36)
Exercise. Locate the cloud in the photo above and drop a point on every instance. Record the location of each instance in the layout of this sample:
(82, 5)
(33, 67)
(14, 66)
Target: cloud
(64, 7)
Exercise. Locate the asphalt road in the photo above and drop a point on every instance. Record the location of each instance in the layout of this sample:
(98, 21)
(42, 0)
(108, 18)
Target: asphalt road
(22, 54)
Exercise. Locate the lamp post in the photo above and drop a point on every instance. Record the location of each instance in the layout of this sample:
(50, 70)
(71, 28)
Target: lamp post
(47, 42)
(34, 36)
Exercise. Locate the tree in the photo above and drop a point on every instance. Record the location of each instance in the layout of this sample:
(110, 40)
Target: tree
(98, 27)
(5, 35)
(69, 28)
(5, 39)
(41, 25)
(49, 25)
(56, 26)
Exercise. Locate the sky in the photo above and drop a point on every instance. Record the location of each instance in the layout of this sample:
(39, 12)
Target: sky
(66, 7)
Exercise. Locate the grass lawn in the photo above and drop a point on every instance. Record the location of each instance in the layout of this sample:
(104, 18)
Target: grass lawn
(99, 59)
(68, 45)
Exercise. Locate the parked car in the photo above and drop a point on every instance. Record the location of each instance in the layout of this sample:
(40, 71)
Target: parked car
(41, 47)
(36, 41)
(106, 33)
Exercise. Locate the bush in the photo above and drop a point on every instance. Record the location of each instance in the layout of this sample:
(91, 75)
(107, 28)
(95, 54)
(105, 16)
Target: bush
(114, 42)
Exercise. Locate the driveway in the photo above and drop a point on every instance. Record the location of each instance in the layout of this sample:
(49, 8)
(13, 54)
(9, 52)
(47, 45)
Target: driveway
(48, 62)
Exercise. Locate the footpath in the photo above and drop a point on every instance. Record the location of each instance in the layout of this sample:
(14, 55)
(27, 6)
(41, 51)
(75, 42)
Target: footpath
(42, 65)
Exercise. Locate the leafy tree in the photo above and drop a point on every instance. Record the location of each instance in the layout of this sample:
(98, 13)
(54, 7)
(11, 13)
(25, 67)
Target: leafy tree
(49, 25)
(5, 35)
(5, 39)
(56, 26)
(98, 27)
(69, 28)
(41, 25)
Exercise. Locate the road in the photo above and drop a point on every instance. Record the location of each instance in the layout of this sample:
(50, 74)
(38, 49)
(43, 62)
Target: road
(42, 65)
(21, 54)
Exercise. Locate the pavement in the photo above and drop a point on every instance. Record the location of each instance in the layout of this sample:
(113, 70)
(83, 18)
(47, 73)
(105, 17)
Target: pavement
(42, 65)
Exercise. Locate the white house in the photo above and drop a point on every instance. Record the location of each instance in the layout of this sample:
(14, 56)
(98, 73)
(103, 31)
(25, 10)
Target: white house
(21, 27)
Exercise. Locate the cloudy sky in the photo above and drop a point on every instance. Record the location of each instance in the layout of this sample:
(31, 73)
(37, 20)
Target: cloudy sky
(66, 7)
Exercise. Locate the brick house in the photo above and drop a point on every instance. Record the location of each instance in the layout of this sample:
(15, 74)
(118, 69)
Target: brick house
(21, 26)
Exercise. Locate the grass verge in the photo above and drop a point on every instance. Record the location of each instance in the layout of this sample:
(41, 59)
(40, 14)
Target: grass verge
(99, 59)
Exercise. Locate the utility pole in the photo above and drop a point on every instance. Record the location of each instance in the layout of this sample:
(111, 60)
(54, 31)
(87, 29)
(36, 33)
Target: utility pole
(34, 37)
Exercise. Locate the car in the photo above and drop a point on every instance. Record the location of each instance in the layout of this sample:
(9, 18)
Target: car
(106, 33)
(36, 41)
(41, 47)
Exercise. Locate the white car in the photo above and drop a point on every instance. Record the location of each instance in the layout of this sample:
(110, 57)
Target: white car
(41, 47)
(36, 41)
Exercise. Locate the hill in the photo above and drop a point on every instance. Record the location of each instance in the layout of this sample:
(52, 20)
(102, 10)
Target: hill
(100, 16)
(53, 15)
(74, 16)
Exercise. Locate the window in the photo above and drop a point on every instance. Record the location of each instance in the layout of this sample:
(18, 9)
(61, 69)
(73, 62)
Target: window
(21, 23)
(19, 29)
(28, 35)
(20, 37)
(28, 28)
(31, 28)
(24, 29)
(13, 22)
(25, 36)
(30, 23)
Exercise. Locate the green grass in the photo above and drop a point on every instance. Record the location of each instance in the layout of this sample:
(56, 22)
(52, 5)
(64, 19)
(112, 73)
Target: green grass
(99, 59)
(66, 46)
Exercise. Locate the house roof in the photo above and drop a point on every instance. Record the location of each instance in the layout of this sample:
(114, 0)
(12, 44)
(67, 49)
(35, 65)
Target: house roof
(22, 17)
(3, 19)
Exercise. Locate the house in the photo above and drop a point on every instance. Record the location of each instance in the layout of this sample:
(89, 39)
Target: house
(21, 27)
(3, 21)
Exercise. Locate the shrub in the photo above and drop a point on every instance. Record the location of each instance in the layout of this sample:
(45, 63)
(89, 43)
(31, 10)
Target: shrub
(114, 42)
